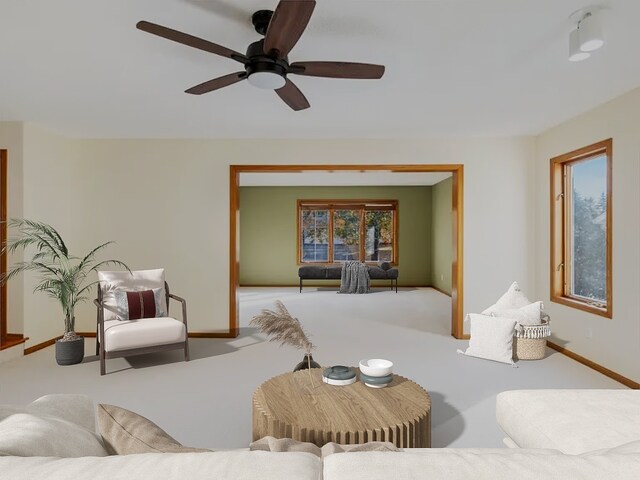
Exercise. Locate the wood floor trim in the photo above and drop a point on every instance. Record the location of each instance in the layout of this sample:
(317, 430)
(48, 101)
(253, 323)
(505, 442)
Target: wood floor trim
(51, 341)
(595, 366)
(40, 346)
(11, 340)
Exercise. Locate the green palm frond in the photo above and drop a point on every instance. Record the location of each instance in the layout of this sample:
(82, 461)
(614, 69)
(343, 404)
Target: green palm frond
(60, 276)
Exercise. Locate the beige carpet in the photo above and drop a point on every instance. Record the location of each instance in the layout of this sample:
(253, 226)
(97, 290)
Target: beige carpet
(207, 402)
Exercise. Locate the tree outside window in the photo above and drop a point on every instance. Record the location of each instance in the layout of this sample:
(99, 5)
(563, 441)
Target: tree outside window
(347, 230)
(581, 229)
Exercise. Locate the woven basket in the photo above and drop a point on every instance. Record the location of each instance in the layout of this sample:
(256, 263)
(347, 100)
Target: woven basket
(527, 348)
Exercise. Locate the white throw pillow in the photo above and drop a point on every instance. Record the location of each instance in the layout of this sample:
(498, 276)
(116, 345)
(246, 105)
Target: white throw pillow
(52, 426)
(111, 282)
(491, 338)
(528, 315)
(512, 299)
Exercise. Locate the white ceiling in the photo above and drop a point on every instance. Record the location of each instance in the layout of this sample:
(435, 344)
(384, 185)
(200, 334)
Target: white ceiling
(454, 67)
(340, 179)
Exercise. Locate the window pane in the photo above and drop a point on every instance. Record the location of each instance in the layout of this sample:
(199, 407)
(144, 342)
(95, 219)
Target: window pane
(379, 235)
(588, 229)
(315, 235)
(346, 235)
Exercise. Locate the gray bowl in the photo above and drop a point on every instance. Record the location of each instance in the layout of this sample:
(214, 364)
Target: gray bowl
(376, 380)
(339, 372)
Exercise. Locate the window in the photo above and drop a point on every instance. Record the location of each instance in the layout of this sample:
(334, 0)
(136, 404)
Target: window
(581, 229)
(341, 230)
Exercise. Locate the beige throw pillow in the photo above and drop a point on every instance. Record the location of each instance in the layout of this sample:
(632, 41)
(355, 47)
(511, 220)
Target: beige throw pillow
(125, 433)
(52, 426)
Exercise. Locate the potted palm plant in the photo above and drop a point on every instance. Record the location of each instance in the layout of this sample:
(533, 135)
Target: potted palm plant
(60, 275)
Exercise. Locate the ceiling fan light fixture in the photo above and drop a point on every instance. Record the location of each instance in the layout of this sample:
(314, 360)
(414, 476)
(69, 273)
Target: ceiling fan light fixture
(575, 53)
(267, 80)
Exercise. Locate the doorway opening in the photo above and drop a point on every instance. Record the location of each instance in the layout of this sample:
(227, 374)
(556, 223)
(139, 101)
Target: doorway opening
(457, 174)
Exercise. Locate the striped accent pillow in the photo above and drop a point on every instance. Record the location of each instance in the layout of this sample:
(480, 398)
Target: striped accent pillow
(134, 305)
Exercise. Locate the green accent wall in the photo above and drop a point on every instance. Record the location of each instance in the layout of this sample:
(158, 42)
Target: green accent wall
(442, 235)
(268, 231)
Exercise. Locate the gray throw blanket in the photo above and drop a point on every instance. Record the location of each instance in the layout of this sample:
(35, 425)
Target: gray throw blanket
(355, 278)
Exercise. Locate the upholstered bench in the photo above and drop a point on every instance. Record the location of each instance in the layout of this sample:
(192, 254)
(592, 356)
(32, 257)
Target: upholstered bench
(332, 272)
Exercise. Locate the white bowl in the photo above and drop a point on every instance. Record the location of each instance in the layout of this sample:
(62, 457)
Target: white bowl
(339, 383)
(376, 367)
(382, 385)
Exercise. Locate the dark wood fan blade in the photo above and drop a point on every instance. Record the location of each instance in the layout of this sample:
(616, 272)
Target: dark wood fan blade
(287, 25)
(338, 69)
(292, 96)
(217, 83)
(191, 41)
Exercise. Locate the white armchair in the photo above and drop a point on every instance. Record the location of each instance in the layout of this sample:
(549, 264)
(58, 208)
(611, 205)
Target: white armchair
(133, 316)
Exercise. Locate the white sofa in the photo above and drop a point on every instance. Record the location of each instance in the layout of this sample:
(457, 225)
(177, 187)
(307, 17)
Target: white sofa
(538, 462)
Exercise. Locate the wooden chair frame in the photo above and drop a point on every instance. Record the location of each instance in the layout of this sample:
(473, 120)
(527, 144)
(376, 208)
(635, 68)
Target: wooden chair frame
(104, 355)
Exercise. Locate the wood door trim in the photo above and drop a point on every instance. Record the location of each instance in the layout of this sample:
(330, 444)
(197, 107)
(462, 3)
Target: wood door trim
(457, 278)
(3, 239)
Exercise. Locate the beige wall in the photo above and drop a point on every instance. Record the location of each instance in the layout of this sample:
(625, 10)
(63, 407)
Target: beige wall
(166, 203)
(442, 235)
(50, 177)
(613, 343)
(268, 231)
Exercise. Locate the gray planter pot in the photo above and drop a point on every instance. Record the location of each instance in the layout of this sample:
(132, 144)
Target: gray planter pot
(70, 353)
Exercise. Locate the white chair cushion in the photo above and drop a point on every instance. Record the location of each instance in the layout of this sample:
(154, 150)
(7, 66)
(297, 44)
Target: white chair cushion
(126, 334)
(110, 282)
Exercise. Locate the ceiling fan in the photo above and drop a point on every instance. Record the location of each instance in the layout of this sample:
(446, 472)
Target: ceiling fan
(266, 64)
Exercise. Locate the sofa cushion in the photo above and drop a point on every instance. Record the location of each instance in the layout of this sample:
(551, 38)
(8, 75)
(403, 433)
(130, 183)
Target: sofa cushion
(572, 421)
(392, 273)
(125, 334)
(51, 426)
(334, 273)
(125, 432)
(111, 282)
(465, 464)
(312, 272)
(378, 273)
(231, 465)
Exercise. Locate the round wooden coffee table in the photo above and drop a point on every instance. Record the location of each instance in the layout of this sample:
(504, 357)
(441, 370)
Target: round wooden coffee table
(300, 406)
